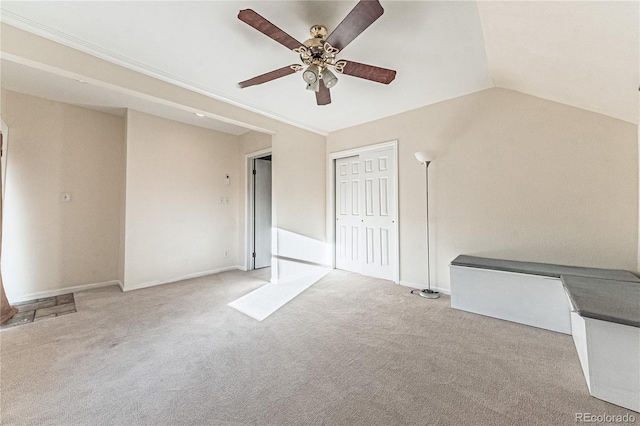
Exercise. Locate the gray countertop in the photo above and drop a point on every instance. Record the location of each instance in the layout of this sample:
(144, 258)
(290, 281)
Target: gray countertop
(606, 300)
(544, 269)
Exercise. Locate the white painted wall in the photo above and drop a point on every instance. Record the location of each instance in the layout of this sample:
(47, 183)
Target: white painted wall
(517, 177)
(48, 244)
(176, 226)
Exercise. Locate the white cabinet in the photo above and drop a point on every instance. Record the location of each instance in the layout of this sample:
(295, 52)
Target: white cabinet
(526, 299)
(610, 358)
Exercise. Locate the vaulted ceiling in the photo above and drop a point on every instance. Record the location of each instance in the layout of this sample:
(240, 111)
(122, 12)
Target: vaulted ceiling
(585, 54)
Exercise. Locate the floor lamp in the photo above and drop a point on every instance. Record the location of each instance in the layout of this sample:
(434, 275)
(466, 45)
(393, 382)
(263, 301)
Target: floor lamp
(426, 157)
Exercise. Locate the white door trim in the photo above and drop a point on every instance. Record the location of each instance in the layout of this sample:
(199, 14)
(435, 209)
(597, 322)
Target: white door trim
(5, 137)
(331, 197)
(248, 205)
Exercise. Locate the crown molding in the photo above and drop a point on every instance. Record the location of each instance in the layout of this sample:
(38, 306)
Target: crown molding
(54, 35)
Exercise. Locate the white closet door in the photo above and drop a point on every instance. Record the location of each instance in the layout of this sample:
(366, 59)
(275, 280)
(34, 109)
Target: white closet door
(348, 221)
(378, 214)
(366, 237)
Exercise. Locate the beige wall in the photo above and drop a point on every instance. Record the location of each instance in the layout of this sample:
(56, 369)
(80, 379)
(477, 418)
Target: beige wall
(299, 174)
(253, 142)
(299, 155)
(516, 177)
(123, 204)
(299, 166)
(175, 224)
(49, 244)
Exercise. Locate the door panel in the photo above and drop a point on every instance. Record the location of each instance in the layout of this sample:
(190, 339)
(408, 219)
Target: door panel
(383, 184)
(262, 213)
(348, 214)
(379, 221)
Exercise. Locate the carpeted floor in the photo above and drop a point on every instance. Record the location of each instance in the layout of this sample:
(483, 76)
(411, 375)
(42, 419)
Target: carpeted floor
(350, 350)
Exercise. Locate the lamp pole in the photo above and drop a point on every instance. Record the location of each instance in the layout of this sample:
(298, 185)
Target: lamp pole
(425, 157)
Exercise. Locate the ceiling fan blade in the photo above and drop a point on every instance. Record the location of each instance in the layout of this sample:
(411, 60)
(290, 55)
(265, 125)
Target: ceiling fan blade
(281, 72)
(323, 97)
(361, 16)
(369, 72)
(258, 22)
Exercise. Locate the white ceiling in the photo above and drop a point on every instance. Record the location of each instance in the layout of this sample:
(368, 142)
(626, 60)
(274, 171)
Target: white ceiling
(579, 53)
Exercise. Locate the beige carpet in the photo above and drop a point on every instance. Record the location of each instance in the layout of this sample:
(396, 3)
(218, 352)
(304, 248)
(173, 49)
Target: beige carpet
(348, 351)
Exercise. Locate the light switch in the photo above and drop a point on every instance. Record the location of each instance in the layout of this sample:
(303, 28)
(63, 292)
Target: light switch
(65, 197)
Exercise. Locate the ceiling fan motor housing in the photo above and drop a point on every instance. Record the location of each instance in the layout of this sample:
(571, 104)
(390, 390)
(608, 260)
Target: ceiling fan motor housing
(316, 42)
(319, 31)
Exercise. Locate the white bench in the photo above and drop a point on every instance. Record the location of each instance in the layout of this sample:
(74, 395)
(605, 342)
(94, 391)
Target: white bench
(600, 308)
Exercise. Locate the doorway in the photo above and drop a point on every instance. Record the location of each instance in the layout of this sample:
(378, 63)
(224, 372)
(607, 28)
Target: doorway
(259, 208)
(365, 211)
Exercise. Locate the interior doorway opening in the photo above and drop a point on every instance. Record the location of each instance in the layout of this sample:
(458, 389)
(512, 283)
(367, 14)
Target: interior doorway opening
(259, 210)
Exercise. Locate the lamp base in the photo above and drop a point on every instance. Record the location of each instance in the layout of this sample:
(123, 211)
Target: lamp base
(429, 294)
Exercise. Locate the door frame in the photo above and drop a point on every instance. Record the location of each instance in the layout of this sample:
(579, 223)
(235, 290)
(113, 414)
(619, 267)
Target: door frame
(331, 197)
(4, 129)
(248, 211)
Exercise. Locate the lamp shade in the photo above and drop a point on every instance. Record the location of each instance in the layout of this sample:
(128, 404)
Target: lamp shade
(425, 156)
(310, 75)
(329, 79)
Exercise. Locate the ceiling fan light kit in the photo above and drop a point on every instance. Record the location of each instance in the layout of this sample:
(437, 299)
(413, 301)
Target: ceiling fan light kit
(319, 52)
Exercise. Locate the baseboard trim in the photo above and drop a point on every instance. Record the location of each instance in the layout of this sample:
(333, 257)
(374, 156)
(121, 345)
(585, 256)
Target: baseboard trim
(59, 291)
(421, 286)
(176, 279)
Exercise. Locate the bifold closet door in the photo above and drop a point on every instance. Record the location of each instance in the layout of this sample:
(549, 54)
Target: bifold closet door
(366, 237)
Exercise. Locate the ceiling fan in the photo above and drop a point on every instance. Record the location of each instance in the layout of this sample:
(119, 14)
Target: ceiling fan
(319, 52)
